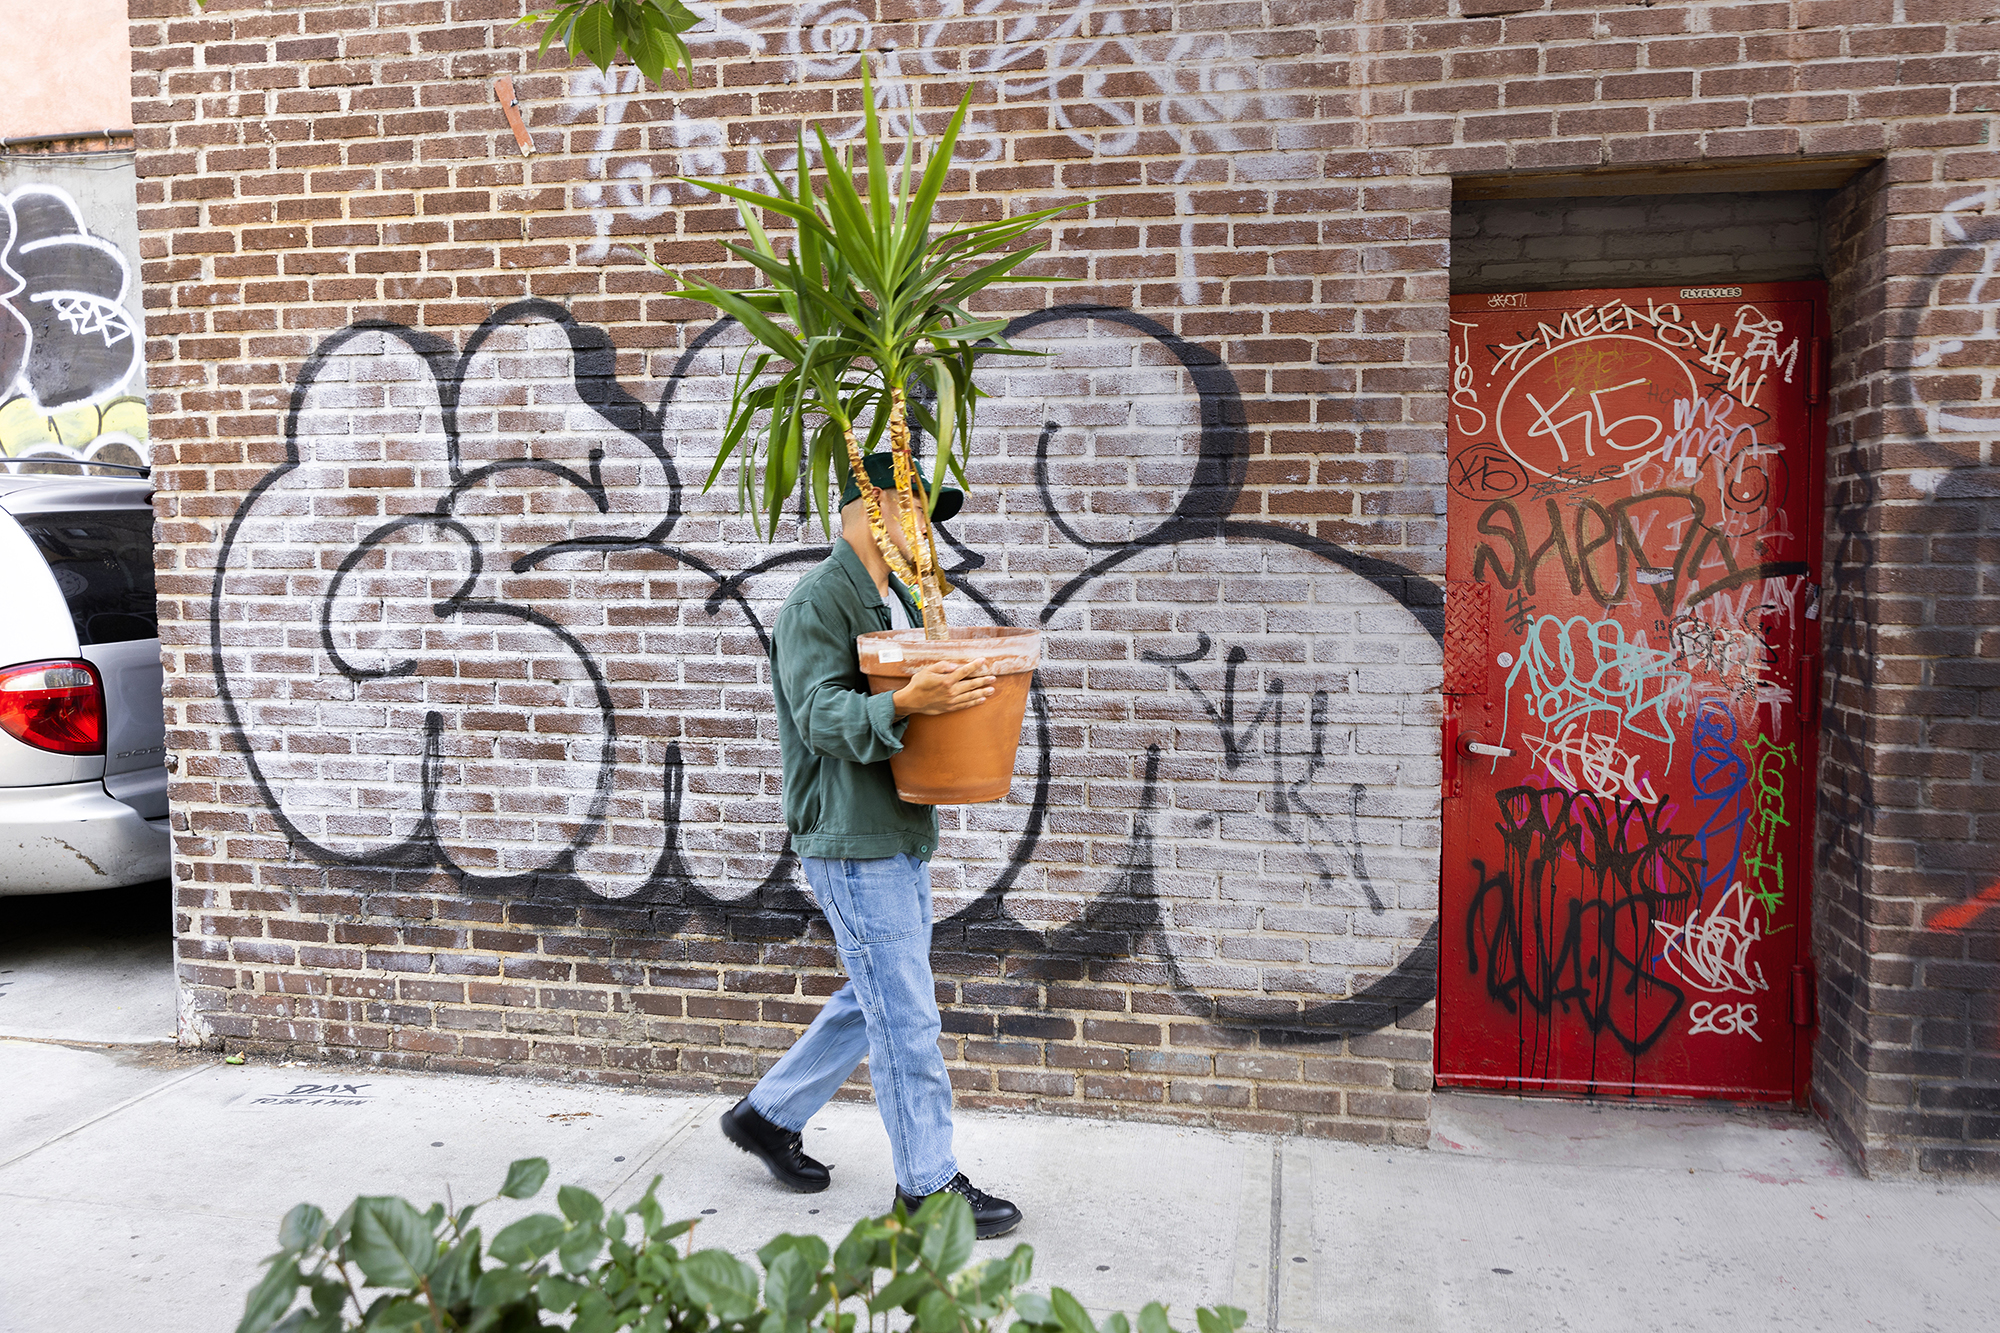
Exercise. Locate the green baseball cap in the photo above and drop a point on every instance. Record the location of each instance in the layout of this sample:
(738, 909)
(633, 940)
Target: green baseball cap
(882, 472)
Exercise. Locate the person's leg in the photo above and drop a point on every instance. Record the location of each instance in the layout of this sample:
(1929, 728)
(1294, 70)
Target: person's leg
(806, 1076)
(767, 1123)
(881, 917)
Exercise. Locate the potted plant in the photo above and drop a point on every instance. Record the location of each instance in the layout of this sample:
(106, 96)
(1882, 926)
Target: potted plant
(862, 333)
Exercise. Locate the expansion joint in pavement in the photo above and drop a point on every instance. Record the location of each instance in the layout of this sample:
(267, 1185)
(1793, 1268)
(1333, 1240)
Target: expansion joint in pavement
(105, 1114)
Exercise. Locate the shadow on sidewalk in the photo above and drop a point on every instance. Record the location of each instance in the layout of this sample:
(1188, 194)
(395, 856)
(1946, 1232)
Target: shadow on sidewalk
(88, 967)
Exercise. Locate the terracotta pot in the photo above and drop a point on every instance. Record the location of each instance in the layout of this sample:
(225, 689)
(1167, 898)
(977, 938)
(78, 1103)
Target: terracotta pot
(964, 757)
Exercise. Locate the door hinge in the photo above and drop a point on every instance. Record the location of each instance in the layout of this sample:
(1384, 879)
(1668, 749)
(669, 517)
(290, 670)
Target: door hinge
(1815, 371)
(1805, 1010)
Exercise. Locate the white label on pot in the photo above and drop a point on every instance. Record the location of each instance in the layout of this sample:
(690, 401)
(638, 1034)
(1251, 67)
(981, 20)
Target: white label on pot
(889, 652)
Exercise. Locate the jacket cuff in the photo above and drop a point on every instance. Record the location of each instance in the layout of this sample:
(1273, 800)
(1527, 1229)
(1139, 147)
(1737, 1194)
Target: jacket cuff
(883, 720)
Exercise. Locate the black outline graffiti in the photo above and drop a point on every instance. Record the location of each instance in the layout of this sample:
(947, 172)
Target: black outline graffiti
(1547, 946)
(671, 900)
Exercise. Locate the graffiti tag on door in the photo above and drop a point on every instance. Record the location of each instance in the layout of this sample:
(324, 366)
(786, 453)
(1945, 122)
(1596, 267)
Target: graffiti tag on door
(1631, 479)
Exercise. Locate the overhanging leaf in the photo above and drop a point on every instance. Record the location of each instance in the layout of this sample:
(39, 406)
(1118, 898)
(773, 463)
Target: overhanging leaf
(529, 1239)
(302, 1228)
(270, 1298)
(579, 1248)
(310, 1321)
(901, 1290)
(579, 1204)
(498, 1288)
(788, 1284)
(649, 31)
(1034, 1306)
(1070, 1314)
(525, 1178)
(948, 1240)
(720, 1282)
(559, 1293)
(393, 1315)
(392, 1244)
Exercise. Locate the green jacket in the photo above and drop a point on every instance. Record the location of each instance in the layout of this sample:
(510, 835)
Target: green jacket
(836, 738)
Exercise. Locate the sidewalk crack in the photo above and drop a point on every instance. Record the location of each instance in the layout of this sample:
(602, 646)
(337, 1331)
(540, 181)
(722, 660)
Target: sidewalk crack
(1277, 1234)
(127, 1104)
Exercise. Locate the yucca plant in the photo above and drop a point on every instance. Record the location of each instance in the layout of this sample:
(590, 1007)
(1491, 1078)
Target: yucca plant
(864, 331)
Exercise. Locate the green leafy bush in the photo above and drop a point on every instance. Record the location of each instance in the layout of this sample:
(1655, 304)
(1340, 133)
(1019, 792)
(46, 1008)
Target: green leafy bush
(599, 1271)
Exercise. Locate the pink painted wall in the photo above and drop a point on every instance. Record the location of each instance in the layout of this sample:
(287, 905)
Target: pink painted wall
(67, 67)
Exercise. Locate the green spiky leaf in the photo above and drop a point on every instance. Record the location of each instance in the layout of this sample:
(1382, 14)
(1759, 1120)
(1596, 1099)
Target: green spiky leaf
(867, 297)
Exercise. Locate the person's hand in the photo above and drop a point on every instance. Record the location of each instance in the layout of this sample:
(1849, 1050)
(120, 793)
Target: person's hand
(941, 687)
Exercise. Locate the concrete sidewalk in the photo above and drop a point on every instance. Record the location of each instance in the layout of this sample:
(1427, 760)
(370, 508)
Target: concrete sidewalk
(141, 1189)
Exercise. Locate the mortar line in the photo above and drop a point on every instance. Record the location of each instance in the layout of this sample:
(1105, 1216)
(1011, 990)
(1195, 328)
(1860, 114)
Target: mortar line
(105, 1115)
(1277, 1222)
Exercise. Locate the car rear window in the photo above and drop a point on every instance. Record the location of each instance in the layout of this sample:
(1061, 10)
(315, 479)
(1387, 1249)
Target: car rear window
(103, 562)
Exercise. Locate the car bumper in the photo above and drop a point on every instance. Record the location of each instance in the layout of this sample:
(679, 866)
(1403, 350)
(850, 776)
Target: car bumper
(72, 837)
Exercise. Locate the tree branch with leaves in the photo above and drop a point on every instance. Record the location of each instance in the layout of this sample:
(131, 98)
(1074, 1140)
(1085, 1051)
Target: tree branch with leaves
(648, 32)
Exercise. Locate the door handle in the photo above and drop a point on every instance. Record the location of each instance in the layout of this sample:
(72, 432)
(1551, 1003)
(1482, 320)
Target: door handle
(1471, 746)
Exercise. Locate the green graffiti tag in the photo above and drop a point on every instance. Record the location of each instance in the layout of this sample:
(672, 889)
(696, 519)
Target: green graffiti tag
(1764, 861)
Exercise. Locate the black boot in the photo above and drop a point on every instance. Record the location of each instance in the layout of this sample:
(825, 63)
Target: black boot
(990, 1216)
(782, 1150)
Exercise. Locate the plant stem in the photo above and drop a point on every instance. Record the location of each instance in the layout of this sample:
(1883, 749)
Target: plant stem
(899, 454)
(347, 1281)
(439, 1318)
(916, 512)
(877, 527)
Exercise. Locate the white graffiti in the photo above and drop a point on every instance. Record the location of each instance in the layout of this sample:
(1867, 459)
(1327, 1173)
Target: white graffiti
(1464, 397)
(1724, 1020)
(1971, 225)
(1712, 952)
(1719, 650)
(1581, 762)
(1764, 331)
(85, 313)
(1744, 355)
(1112, 91)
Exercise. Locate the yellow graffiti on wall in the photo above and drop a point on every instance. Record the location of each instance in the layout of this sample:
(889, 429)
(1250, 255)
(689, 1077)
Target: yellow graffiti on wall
(113, 431)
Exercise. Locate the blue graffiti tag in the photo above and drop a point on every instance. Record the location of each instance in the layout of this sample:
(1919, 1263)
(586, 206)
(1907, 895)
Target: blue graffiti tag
(1719, 773)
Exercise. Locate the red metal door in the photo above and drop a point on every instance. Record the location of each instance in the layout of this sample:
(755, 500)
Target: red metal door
(1631, 637)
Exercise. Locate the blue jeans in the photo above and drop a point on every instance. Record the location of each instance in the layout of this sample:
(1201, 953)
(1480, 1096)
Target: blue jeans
(880, 912)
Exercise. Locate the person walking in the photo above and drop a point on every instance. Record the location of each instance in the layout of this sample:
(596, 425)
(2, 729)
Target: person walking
(866, 854)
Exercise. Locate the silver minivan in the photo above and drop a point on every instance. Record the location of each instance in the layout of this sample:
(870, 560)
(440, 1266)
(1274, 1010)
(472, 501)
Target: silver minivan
(83, 777)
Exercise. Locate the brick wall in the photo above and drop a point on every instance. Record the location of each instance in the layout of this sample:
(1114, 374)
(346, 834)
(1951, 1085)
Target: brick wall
(1654, 240)
(1908, 1065)
(474, 763)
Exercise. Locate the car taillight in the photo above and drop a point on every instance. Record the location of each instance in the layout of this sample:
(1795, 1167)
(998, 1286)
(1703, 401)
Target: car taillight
(55, 706)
